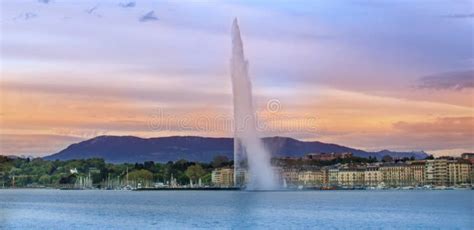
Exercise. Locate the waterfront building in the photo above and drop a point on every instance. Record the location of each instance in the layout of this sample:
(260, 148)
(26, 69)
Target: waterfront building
(436, 172)
(417, 170)
(241, 176)
(290, 175)
(333, 176)
(325, 176)
(372, 176)
(396, 175)
(459, 172)
(223, 177)
(310, 177)
(350, 177)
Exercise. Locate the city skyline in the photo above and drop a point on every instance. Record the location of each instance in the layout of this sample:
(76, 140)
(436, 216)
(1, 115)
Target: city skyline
(373, 75)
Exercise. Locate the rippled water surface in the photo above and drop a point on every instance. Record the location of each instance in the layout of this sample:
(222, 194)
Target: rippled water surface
(56, 209)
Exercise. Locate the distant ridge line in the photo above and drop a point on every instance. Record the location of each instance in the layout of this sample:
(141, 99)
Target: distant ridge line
(121, 149)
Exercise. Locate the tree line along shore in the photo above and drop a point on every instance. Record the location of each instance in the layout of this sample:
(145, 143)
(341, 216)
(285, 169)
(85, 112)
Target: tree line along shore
(95, 173)
(17, 172)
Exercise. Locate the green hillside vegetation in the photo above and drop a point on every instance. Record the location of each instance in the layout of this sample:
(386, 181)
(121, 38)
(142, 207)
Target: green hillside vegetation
(24, 172)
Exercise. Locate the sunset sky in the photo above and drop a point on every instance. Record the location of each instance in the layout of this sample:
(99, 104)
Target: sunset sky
(373, 75)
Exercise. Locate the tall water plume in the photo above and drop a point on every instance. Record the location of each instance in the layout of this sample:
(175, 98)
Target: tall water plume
(249, 152)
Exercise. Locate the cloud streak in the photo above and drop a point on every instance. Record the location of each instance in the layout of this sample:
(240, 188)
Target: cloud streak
(150, 16)
(93, 11)
(449, 81)
(118, 93)
(443, 125)
(459, 16)
(127, 4)
(26, 16)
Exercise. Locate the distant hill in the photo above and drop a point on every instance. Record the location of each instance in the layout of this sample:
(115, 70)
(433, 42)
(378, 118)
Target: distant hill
(119, 149)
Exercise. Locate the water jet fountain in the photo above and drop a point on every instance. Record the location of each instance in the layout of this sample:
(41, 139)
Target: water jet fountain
(250, 156)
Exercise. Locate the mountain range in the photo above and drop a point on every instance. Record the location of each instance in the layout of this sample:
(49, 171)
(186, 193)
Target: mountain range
(120, 149)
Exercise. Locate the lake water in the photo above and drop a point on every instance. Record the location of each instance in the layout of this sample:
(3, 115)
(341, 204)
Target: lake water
(56, 209)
